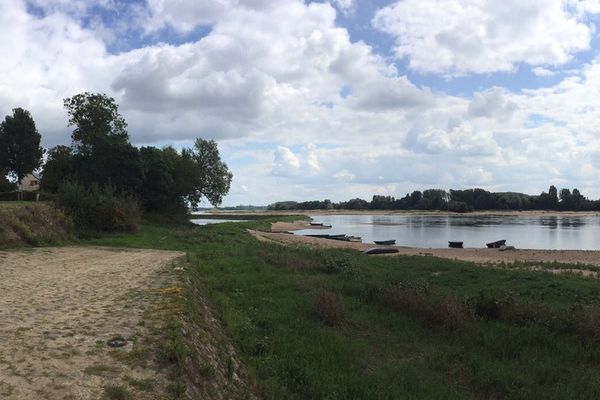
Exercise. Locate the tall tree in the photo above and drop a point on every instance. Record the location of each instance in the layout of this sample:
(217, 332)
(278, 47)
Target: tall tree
(20, 150)
(102, 152)
(211, 176)
(97, 122)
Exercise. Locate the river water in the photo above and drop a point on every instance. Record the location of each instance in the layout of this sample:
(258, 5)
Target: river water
(429, 231)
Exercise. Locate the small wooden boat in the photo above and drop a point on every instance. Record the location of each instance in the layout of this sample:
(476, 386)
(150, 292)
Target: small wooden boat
(380, 250)
(455, 245)
(496, 245)
(385, 242)
(320, 225)
(354, 238)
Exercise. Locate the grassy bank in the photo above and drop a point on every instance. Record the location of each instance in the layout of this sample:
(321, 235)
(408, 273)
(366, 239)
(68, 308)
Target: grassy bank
(33, 224)
(333, 324)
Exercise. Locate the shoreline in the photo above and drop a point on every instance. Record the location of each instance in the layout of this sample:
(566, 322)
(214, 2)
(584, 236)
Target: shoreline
(476, 255)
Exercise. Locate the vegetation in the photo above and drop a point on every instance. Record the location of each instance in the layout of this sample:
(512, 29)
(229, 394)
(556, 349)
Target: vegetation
(101, 166)
(456, 201)
(334, 324)
(33, 224)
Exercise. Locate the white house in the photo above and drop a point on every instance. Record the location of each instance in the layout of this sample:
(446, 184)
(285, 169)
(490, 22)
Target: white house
(30, 183)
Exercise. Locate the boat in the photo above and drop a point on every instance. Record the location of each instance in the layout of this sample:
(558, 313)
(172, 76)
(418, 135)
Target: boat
(455, 245)
(353, 238)
(385, 242)
(320, 224)
(381, 250)
(496, 245)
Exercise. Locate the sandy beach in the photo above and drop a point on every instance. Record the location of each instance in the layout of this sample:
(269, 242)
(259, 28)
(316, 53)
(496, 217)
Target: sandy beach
(58, 309)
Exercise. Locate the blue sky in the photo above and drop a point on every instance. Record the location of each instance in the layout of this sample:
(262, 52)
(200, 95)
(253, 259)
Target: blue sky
(334, 99)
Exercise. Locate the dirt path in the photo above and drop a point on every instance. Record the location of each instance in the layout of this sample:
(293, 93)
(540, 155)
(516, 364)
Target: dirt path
(58, 309)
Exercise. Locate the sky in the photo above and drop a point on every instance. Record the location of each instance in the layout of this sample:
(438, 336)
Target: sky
(328, 99)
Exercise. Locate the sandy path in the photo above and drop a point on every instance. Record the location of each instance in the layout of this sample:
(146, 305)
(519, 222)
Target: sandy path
(482, 256)
(59, 306)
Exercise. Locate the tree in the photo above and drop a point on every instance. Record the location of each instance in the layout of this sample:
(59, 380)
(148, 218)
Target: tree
(20, 150)
(97, 122)
(210, 176)
(57, 169)
(102, 152)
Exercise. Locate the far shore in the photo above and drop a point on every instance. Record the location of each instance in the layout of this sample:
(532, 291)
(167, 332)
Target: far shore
(499, 213)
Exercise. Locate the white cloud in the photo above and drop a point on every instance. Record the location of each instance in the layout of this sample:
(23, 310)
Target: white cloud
(464, 36)
(544, 72)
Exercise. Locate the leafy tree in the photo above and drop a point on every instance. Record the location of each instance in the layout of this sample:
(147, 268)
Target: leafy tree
(58, 168)
(97, 121)
(20, 150)
(102, 152)
(209, 175)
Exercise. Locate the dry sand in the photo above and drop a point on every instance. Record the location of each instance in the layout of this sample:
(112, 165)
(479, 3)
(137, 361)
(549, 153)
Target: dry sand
(58, 308)
(477, 255)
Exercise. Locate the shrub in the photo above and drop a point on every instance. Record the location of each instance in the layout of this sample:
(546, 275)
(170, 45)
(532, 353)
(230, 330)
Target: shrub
(99, 209)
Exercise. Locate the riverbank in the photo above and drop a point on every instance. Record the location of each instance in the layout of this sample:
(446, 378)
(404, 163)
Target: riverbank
(475, 255)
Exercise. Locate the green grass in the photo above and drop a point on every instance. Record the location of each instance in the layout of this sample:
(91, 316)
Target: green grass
(333, 324)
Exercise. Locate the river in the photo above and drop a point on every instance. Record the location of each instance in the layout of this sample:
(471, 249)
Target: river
(434, 231)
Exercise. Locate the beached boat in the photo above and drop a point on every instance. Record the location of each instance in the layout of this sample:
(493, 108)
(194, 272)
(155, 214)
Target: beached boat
(320, 225)
(354, 238)
(455, 245)
(496, 245)
(380, 250)
(385, 242)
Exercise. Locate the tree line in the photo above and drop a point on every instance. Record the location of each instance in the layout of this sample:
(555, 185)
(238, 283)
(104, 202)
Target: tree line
(456, 201)
(101, 161)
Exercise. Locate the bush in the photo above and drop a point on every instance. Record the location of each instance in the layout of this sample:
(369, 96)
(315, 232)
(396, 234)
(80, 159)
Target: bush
(99, 209)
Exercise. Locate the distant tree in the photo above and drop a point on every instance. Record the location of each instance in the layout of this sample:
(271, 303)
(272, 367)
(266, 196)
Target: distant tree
(20, 150)
(57, 169)
(553, 197)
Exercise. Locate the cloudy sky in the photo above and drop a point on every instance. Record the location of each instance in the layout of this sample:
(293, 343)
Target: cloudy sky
(328, 99)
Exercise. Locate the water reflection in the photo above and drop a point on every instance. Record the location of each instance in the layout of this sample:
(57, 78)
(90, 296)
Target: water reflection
(543, 232)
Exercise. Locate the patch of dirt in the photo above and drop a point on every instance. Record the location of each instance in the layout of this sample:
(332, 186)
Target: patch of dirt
(58, 309)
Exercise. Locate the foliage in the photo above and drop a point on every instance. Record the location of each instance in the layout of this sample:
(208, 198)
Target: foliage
(98, 208)
(163, 180)
(32, 224)
(5, 184)
(20, 150)
(58, 167)
(210, 176)
(97, 122)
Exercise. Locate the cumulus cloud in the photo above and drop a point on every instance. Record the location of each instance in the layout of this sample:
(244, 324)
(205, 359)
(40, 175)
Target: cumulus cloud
(457, 37)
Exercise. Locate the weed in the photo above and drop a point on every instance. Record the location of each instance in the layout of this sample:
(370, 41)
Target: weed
(329, 308)
(116, 392)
